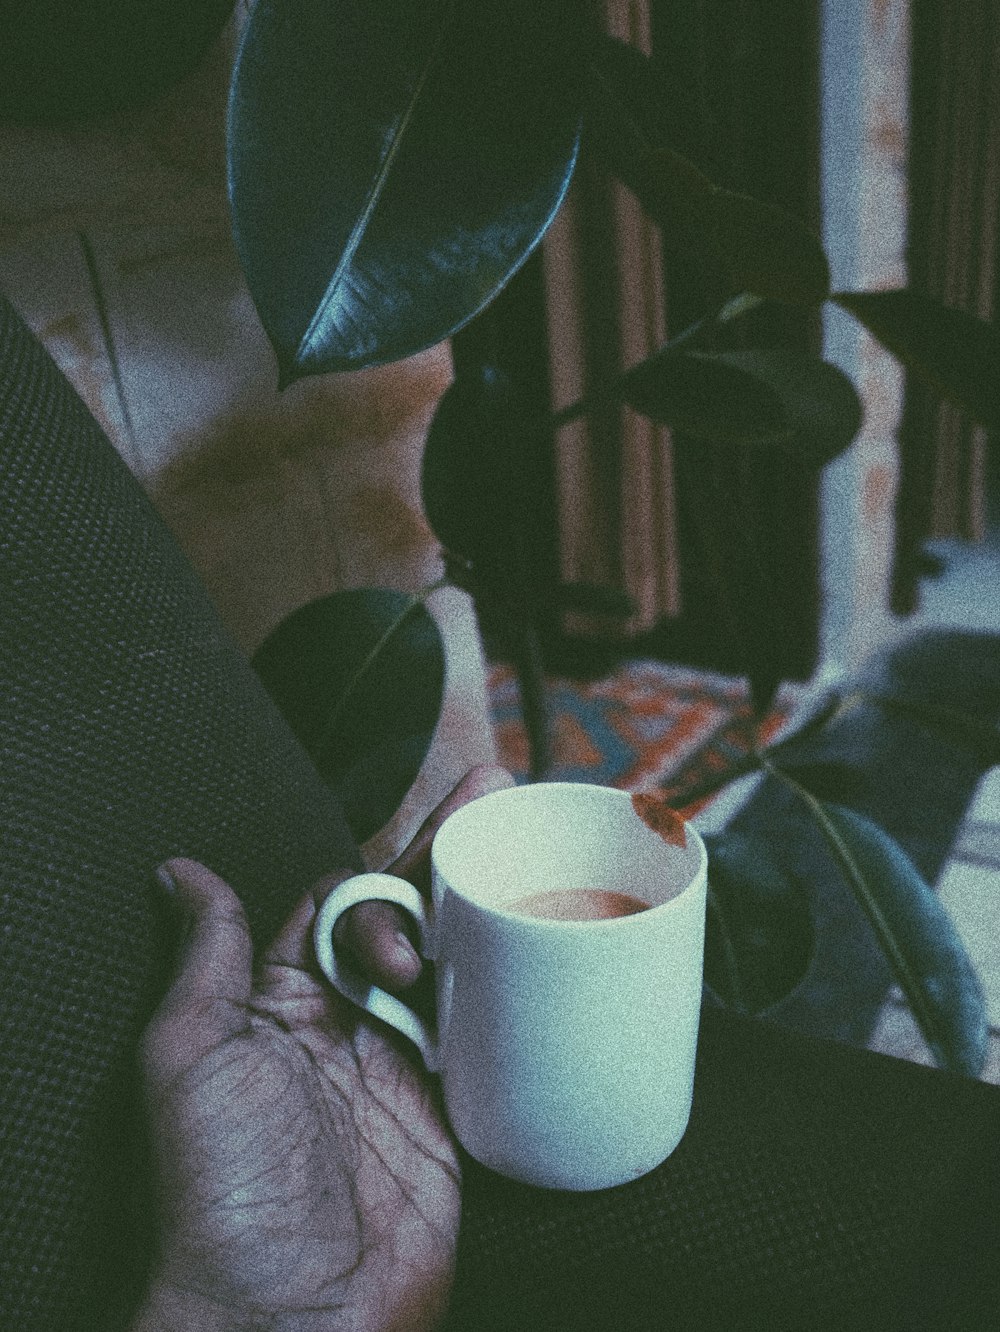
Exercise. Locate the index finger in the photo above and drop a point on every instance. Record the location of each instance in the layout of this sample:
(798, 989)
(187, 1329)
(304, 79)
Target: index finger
(381, 937)
(414, 863)
(372, 932)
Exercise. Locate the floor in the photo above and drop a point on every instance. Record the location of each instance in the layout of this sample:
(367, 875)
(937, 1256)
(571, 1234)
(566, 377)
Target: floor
(116, 248)
(965, 595)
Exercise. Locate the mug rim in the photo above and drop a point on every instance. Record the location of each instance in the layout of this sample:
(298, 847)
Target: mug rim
(617, 794)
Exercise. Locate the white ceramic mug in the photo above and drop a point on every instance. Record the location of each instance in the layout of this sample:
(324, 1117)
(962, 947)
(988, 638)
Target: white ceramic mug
(566, 1049)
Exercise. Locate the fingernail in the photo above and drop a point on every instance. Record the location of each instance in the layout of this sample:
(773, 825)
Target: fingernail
(406, 954)
(179, 914)
(166, 880)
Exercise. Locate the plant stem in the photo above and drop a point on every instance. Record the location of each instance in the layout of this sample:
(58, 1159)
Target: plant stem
(738, 307)
(104, 320)
(911, 987)
(528, 662)
(741, 768)
(735, 998)
(333, 721)
(834, 706)
(576, 409)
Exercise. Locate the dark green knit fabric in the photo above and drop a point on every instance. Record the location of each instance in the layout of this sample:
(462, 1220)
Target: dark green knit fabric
(131, 729)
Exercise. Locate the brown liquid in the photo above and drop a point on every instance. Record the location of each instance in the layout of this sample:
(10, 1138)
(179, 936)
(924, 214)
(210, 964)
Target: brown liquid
(578, 904)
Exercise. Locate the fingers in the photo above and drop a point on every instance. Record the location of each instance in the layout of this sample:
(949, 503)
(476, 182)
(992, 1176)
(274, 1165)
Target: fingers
(292, 945)
(379, 936)
(375, 934)
(415, 861)
(207, 1000)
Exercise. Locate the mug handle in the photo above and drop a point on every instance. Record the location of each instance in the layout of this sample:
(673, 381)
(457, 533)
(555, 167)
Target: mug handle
(349, 982)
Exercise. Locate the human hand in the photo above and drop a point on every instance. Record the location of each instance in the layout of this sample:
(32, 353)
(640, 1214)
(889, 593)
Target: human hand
(307, 1181)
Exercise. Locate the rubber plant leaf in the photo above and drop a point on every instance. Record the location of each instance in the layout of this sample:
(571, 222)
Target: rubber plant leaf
(917, 935)
(759, 936)
(708, 396)
(819, 402)
(471, 483)
(750, 244)
(391, 165)
(978, 734)
(950, 349)
(359, 677)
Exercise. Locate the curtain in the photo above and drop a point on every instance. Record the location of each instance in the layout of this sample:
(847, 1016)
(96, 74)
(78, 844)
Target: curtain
(952, 256)
(741, 79)
(718, 551)
(605, 305)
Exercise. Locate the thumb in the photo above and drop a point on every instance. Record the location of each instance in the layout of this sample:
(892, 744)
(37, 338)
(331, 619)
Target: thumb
(207, 1000)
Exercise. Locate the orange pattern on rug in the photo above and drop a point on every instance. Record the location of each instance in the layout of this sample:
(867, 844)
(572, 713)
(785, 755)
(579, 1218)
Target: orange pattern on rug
(647, 726)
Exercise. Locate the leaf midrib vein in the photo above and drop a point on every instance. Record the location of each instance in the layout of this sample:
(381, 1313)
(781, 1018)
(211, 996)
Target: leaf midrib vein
(375, 192)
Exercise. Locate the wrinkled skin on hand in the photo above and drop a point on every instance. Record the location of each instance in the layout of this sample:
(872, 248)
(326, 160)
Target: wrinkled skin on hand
(307, 1180)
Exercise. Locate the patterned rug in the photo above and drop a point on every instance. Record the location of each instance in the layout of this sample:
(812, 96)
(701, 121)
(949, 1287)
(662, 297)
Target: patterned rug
(648, 726)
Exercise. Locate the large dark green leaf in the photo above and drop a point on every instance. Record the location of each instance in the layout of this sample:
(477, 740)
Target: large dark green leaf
(951, 349)
(760, 247)
(470, 480)
(752, 245)
(980, 735)
(390, 166)
(819, 401)
(474, 497)
(370, 791)
(920, 942)
(707, 396)
(359, 677)
(761, 397)
(759, 937)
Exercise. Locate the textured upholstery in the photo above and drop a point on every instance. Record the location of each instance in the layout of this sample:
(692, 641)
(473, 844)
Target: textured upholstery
(131, 729)
(816, 1185)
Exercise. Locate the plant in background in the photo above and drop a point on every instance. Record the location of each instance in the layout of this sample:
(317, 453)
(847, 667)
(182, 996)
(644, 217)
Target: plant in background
(391, 166)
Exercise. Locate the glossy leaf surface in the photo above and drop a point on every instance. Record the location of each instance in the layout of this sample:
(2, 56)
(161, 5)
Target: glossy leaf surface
(951, 349)
(758, 397)
(759, 937)
(359, 677)
(470, 479)
(919, 939)
(390, 166)
(819, 402)
(708, 396)
(754, 246)
(979, 734)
